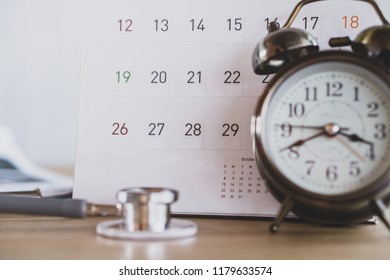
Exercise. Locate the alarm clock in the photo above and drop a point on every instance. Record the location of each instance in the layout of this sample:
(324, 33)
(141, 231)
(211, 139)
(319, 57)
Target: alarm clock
(321, 128)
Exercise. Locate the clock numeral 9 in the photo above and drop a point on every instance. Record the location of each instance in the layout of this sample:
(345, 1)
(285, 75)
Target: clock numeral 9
(286, 129)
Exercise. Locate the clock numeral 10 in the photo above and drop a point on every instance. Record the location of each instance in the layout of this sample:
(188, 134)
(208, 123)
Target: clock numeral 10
(296, 110)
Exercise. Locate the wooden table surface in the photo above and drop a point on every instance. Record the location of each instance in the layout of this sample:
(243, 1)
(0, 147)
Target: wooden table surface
(36, 237)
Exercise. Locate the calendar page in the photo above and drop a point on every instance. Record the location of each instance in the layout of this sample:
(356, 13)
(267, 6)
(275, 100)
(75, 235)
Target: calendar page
(168, 91)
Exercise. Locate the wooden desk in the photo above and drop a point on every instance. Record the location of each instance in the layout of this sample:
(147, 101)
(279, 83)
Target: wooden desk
(32, 237)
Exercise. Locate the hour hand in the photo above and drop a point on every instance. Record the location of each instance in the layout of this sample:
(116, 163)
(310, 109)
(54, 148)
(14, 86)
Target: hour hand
(356, 138)
(302, 141)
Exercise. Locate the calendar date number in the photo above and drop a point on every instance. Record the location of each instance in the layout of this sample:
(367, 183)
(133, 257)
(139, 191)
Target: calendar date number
(191, 129)
(119, 129)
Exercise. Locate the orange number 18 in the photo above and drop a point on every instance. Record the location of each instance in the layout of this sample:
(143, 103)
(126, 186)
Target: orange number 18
(351, 22)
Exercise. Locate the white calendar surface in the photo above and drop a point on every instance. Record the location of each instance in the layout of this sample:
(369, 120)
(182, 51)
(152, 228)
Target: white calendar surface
(168, 91)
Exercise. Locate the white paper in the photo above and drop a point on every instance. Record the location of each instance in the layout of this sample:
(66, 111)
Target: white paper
(168, 91)
(20, 175)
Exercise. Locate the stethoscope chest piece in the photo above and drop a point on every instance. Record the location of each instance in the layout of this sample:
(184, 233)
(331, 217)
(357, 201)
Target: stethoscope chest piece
(146, 214)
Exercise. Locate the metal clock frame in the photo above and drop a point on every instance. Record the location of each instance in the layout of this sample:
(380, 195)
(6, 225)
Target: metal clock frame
(353, 207)
(290, 50)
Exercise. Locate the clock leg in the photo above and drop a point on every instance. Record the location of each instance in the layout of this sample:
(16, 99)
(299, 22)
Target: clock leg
(283, 211)
(379, 207)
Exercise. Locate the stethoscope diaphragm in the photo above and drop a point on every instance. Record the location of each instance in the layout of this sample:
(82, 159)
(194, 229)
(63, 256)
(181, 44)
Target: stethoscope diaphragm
(146, 216)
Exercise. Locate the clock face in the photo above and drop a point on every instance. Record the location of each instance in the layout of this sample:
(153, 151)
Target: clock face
(326, 127)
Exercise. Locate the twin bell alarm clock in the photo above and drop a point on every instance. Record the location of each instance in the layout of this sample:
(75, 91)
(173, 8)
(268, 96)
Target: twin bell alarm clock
(321, 128)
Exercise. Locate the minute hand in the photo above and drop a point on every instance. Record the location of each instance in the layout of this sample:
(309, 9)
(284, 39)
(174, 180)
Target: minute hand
(302, 141)
(314, 127)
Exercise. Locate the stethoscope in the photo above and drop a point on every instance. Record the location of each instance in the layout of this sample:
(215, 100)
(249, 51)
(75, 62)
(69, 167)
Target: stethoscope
(145, 213)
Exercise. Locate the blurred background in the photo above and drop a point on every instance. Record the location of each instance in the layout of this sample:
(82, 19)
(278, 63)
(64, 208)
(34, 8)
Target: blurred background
(40, 50)
(39, 76)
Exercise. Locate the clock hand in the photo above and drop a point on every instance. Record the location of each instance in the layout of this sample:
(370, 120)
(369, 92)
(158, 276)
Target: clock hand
(316, 127)
(356, 138)
(307, 126)
(319, 127)
(331, 130)
(349, 147)
(302, 141)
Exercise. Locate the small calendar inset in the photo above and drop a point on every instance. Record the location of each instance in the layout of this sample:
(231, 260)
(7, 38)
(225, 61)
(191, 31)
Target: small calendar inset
(168, 92)
(240, 181)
